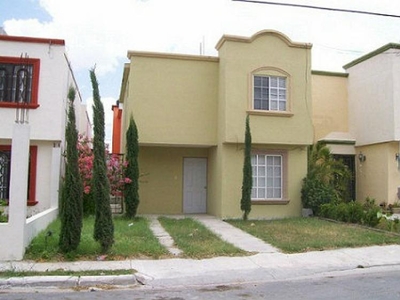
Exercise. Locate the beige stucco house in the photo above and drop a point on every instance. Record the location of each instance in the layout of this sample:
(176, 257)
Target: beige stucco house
(190, 112)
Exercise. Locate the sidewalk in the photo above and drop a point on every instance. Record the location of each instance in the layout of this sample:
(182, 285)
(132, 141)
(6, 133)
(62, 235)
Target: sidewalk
(267, 265)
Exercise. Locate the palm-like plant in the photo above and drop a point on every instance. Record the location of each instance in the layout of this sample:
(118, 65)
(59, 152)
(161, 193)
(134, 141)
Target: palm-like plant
(327, 178)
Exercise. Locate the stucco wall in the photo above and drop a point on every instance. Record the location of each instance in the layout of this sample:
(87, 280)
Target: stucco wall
(371, 99)
(161, 180)
(329, 104)
(173, 99)
(267, 54)
(48, 119)
(378, 176)
(231, 183)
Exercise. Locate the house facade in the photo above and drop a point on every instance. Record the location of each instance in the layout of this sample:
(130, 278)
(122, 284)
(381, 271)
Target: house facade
(190, 112)
(374, 122)
(35, 76)
(357, 114)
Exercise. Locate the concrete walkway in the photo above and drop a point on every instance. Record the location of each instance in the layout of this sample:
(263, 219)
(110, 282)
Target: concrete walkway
(267, 265)
(224, 230)
(235, 236)
(162, 235)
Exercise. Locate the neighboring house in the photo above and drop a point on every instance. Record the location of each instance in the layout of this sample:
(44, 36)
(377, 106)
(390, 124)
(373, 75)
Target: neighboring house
(374, 122)
(190, 112)
(358, 115)
(35, 75)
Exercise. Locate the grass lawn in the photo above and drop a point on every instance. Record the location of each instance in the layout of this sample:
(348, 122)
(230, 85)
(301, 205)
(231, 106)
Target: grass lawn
(133, 239)
(196, 241)
(296, 235)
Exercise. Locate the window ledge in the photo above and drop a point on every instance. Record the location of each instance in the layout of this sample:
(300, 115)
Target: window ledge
(286, 114)
(17, 105)
(270, 202)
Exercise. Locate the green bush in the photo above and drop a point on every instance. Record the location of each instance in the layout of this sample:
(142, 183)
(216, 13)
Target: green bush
(389, 225)
(353, 212)
(315, 193)
(372, 212)
(328, 210)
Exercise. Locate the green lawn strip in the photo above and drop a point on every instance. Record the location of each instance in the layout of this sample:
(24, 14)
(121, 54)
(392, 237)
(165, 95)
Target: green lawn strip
(296, 235)
(133, 239)
(196, 241)
(14, 273)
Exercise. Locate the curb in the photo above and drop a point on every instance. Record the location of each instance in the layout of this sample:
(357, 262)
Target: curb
(67, 281)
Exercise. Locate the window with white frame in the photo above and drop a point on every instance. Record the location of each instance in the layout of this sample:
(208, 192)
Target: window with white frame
(269, 93)
(267, 177)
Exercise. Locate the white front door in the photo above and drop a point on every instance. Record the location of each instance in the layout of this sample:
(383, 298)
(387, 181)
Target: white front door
(194, 185)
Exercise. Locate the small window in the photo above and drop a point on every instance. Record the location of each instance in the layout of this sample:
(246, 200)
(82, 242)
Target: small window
(269, 93)
(267, 177)
(19, 79)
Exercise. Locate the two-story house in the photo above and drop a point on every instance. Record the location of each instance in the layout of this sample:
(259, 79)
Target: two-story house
(35, 76)
(374, 122)
(190, 112)
(357, 114)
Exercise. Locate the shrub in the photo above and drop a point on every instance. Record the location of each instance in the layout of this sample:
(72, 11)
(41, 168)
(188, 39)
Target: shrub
(327, 179)
(372, 212)
(315, 193)
(353, 212)
(389, 225)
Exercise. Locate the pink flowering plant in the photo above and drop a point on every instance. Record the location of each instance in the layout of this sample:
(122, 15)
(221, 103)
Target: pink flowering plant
(85, 162)
(115, 169)
(115, 173)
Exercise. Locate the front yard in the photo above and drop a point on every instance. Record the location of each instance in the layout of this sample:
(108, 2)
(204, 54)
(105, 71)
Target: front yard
(296, 235)
(135, 240)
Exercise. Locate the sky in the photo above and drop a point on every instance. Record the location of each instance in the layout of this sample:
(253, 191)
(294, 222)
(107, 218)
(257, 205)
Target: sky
(100, 32)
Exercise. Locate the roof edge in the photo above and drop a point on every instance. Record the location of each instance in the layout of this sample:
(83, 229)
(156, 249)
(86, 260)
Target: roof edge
(329, 73)
(372, 54)
(171, 56)
(26, 39)
(241, 39)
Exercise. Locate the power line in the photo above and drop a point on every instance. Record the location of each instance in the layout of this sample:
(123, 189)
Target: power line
(321, 8)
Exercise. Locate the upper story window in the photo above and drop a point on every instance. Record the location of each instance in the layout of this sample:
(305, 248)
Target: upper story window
(19, 80)
(269, 93)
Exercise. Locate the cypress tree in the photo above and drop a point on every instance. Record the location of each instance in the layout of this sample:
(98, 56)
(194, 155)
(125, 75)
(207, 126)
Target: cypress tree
(72, 189)
(103, 225)
(132, 170)
(247, 184)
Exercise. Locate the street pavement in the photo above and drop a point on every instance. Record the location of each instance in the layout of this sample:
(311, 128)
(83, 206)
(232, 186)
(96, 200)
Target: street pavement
(266, 263)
